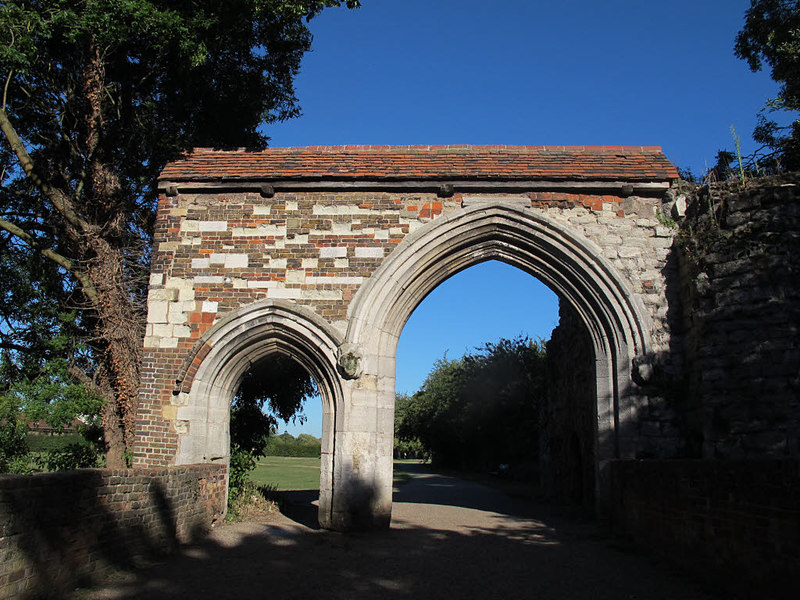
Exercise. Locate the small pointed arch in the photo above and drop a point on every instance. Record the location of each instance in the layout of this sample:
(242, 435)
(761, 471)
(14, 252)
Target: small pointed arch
(566, 261)
(223, 356)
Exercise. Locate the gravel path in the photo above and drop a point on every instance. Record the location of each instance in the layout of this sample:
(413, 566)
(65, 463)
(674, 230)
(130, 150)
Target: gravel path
(449, 539)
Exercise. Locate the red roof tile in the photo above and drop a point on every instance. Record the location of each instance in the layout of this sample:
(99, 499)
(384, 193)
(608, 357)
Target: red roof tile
(499, 163)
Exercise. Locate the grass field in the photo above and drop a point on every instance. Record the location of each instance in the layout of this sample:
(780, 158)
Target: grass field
(287, 473)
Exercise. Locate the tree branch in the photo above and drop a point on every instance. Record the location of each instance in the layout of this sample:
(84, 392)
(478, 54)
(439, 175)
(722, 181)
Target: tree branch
(88, 287)
(26, 162)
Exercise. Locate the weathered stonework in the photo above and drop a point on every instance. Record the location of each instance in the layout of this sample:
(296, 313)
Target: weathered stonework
(740, 282)
(328, 258)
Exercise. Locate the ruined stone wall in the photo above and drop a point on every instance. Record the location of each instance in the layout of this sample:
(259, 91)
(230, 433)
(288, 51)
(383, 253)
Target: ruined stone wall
(569, 413)
(735, 524)
(59, 530)
(217, 252)
(740, 267)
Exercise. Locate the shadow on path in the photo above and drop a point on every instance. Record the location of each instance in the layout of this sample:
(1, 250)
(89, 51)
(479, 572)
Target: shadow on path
(449, 539)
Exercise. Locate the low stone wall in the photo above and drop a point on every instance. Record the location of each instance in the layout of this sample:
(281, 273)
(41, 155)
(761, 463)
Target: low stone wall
(59, 530)
(734, 523)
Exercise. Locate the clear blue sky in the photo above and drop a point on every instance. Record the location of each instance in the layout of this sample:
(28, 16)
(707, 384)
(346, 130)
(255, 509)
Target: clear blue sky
(574, 72)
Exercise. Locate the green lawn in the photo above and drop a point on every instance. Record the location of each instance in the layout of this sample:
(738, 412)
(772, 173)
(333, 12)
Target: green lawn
(287, 472)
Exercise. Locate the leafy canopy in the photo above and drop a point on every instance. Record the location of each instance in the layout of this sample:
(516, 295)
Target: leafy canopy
(771, 38)
(481, 410)
(97, 96)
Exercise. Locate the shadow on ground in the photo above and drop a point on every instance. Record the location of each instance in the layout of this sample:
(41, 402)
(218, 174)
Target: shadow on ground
(449, 539)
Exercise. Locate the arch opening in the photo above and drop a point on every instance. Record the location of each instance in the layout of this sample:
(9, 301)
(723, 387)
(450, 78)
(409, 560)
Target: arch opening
(522, 408)
(617, 325)
(243, 340)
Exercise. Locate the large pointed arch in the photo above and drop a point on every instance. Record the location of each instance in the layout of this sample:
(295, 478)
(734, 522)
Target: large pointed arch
(226, 352)
(570, 264)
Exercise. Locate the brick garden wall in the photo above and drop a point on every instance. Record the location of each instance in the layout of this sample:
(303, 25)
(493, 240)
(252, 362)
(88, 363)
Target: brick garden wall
(59, 530)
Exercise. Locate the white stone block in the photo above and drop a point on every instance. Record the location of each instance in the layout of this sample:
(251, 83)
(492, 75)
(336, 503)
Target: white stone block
(162, 330)
(151, 341)
(295, 276)
(369, 252)
(381, 234)
(629, 252)
(335, 280)
(341, 228)
(186, 295)
(322, 295)
(181, 331)
(236, 261)
(277, 263)
(210, 226)
(261, 284)
(190, 226)
(291, 205)
(161, 294)
(156, 278)
(286, 293)
(176, 316)
(341, 263)
(178, 283)
(333, 252)
(200, 263)
(157, 311)
(262, 210)
(298, 240)
(309, 263)
(214, 279)
(168, 342)
(216, 258)
(260, 231)
(209, 307)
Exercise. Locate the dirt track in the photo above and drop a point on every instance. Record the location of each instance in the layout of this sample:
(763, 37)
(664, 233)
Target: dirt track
(449, 539)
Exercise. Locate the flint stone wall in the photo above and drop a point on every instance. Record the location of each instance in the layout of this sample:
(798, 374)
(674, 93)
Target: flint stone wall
(740, 276)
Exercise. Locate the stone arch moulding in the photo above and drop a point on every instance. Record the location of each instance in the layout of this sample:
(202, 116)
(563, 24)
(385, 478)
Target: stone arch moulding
(225, 353)
(570, 264)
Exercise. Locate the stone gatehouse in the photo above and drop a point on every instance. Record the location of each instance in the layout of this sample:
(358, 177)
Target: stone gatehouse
(323, 253)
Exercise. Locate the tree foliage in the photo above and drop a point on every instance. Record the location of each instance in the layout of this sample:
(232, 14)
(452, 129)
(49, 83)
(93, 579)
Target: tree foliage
(771, 38)
(481, 410)
(97, 95)
(272, 389)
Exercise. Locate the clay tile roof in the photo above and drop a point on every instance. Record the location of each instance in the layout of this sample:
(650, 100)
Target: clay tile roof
(499, 163)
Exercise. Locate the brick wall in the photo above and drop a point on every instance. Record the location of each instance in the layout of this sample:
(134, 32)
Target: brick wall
(734, 524)
(59, 530)
(218, 251)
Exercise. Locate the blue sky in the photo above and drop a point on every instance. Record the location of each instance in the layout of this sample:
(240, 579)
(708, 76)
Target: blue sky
(574, 72)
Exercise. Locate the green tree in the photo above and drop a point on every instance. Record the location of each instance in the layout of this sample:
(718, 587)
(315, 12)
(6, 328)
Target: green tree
(97, 95)
(481, 410)
(771, 37)
(274, 388)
